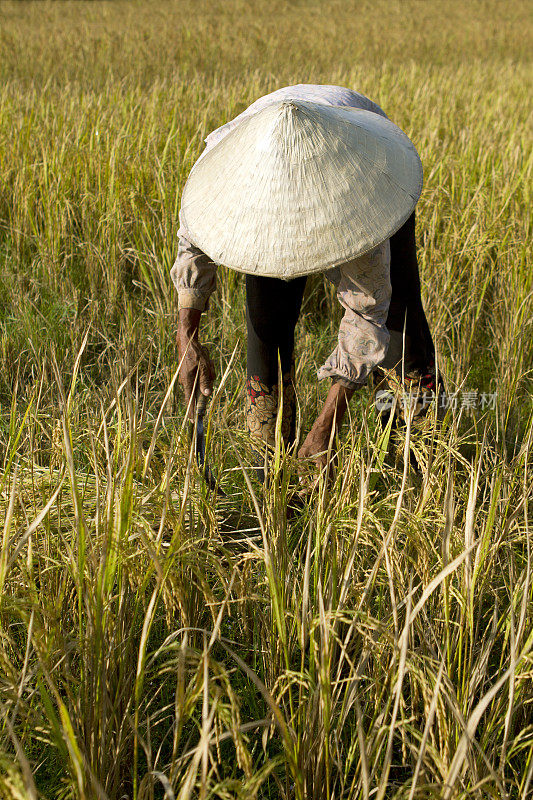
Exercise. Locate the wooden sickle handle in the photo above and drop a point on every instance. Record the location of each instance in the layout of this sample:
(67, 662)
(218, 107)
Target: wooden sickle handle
(201, 402)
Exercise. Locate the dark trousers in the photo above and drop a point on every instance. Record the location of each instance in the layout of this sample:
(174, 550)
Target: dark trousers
(272, 311)
(273, 307)
(406, 304)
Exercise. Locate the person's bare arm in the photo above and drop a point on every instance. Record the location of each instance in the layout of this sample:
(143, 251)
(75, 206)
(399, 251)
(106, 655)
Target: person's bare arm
(363, 290)
(194, 357)
(332, 413)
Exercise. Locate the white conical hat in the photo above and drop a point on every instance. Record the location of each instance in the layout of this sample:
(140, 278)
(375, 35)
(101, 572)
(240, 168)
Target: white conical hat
(299, 187)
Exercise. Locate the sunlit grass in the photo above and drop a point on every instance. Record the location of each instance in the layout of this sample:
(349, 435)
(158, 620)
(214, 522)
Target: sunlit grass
(371, 641)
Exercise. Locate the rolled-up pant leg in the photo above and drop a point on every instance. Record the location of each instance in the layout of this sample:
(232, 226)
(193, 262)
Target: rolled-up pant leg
(272, 311)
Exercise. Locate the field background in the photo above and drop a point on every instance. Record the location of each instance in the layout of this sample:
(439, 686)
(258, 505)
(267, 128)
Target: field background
(375, 643)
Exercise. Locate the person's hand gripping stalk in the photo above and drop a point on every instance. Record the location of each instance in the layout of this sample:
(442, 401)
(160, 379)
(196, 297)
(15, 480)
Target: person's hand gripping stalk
(194, 358)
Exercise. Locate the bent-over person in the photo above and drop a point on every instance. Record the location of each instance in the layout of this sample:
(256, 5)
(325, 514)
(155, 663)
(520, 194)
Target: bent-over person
(307, 179)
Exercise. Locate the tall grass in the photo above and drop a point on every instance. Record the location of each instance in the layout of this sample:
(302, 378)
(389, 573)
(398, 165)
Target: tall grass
(374, 641)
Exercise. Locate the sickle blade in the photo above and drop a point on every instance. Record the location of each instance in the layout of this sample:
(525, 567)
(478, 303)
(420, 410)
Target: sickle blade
(205, 469)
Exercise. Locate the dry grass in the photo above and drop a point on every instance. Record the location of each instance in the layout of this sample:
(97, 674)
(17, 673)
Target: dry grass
(375, 643)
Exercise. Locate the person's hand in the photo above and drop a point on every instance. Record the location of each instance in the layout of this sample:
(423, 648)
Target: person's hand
(197, 373)
(316, 457)
(317, 442)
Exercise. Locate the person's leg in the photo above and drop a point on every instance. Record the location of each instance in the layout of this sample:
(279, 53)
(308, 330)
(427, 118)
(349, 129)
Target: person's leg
(408, 371)
(410, 359)
(272, 310)
(406, 319)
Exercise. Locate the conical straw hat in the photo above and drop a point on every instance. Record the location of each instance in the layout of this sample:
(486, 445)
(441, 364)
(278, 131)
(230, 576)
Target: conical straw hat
(299, 187)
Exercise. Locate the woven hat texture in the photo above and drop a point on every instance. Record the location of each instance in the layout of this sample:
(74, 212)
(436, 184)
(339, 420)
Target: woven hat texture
(299, 187)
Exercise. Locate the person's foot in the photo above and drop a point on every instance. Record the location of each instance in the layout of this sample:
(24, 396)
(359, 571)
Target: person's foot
(411, 396)
(416, 397)
(261, 419)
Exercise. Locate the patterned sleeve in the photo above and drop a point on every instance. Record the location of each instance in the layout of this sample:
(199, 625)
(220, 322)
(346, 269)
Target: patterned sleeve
(193, 275)
(364, 291)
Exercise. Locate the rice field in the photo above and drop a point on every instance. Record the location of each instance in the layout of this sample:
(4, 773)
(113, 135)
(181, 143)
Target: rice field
(156, 642)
